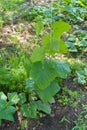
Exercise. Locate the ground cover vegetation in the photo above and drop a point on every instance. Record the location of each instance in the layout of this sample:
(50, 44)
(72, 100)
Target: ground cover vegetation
(43, 65)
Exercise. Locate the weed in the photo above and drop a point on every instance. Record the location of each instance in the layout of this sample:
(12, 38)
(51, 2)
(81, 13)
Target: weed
(69, 97)
(81, 121)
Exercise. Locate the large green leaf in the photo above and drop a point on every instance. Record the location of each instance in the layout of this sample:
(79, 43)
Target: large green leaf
(47, 94)
(6, 111)
(43, 74)
(58, 28)
(29, 110)
(62, 68)
(52, 42)
(38, 54)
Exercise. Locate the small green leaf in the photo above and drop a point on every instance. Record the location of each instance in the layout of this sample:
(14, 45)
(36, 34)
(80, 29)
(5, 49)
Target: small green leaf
(3, 96)
(13, 97)
(45, 107)
(30, 84)
(83, 43)
(71, 46)
(22, 98)
(81, 77)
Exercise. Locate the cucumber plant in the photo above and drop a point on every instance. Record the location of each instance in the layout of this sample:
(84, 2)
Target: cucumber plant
(44, 73)
(45, 70)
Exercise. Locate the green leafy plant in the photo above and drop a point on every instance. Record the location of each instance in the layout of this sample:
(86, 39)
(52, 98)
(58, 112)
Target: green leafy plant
(76, 42)
(81, 121)
(79, 71)
(81, 76)
(42, 72)
(23, 125)
(45, 71)
(69, 97)
(7, 75)
(70, 10)
(30, 80)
